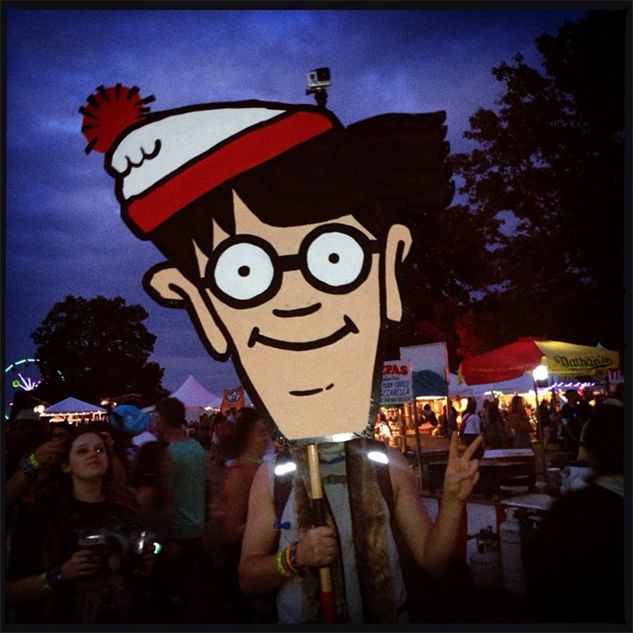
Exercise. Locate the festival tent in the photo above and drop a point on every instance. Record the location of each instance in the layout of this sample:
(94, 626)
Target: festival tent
(457, 389)
(193, 394)
(526, 353)
(522, 384)
(436, 387)
(195, 397)
(73, 405)
(429, 384)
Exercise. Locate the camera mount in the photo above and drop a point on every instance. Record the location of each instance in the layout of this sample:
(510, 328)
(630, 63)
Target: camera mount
(318, 82)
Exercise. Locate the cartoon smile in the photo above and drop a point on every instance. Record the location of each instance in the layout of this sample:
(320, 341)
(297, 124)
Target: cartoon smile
(348, 328)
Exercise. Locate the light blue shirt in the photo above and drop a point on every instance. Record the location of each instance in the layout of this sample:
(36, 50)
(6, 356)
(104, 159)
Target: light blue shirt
(188, 489)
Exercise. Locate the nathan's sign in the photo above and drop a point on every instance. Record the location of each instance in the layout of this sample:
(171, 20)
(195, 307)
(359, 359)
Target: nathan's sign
(565, 359)
(574, 364)
(396, 382)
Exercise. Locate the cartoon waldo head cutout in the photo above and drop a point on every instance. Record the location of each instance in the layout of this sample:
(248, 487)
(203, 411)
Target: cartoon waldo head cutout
(284, 233)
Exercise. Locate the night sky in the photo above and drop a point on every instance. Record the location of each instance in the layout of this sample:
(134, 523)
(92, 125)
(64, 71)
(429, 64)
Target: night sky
(64, 235)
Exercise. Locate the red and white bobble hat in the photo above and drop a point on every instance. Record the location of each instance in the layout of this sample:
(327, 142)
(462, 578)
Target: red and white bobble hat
(165, 161)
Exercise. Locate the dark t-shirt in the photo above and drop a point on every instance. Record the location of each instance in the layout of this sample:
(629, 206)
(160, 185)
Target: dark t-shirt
(572, 415)
(49, 534)
(585, 411)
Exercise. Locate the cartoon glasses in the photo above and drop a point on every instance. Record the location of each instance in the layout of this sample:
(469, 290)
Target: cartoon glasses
(245, 271)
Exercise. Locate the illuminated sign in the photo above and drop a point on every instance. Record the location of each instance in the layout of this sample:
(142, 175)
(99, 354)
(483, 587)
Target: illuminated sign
(396, 385)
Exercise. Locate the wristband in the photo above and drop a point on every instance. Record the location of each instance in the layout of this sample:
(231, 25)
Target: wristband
(281, 565)
(54, 577)
(33, 461)
(293, 560)
(287, 551)
(45, 584)
(27, 469)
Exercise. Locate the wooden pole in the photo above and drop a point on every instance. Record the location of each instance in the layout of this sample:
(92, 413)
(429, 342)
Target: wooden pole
(418, 447)
(318, 507)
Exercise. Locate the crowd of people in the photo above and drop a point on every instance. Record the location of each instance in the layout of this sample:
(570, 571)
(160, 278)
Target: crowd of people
(105, 529)
(558, 420)
(575, 564)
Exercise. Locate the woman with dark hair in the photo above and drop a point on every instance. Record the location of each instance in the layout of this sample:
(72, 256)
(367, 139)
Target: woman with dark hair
(22, 407)
(29, 460)
(150, 475)
(219, 429)
(150, 480)
(520, 423)
(577, 567)
(245, 447)
(471, 422)
(494, 433)
(70, 562)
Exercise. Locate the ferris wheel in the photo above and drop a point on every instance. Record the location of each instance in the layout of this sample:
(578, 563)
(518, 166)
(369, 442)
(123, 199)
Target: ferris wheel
(23, 374)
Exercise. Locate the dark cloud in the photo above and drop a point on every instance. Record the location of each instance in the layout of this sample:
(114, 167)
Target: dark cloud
(64, 234)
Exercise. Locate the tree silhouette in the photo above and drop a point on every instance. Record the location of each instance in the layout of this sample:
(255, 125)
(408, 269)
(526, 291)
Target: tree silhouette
(550, 158)
(449, 265)
(102, 349)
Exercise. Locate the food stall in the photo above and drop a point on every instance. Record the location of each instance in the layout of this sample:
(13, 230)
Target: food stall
(517, 486)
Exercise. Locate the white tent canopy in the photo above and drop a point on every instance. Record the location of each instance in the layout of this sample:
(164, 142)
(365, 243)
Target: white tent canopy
(74, 405)
(195, 397)
(522, 384)
(193, 394)
(458, 390)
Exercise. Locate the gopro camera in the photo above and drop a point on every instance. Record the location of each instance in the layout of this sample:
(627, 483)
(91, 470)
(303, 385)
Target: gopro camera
(319, 78)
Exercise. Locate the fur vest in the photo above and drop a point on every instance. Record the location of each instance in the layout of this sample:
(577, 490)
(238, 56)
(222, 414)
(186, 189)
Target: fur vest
(375, 559)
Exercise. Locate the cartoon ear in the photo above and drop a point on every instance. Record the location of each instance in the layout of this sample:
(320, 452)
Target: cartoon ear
(399, 242)
(169, 287)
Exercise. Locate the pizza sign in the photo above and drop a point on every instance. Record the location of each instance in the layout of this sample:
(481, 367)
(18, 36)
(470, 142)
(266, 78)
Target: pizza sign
(396, 382)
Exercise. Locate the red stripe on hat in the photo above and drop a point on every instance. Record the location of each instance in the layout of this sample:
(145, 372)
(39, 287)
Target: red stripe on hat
(245, 152)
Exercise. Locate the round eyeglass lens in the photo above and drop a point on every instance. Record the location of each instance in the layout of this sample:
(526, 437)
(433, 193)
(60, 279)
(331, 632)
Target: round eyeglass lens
(243, 271)
(335, 259)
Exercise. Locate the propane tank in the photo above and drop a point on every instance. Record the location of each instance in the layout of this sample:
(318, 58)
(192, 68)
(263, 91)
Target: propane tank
(510, 545)
(484, 559)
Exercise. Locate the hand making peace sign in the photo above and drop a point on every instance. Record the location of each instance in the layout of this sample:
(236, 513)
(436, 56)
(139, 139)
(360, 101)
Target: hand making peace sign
(461, 472)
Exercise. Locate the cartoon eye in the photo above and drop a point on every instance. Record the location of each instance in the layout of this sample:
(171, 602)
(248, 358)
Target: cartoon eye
(243, 271)
(335, 259)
